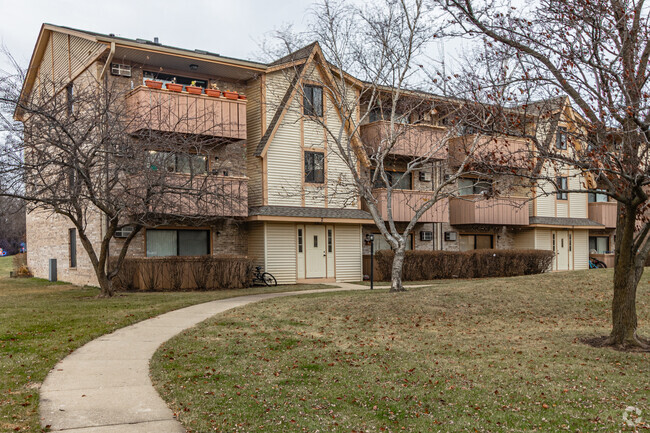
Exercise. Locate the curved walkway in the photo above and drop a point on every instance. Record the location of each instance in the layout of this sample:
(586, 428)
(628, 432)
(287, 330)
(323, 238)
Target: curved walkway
(104, 386)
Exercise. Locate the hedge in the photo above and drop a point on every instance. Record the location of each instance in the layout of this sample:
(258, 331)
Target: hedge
(432, 265)
(184, 273)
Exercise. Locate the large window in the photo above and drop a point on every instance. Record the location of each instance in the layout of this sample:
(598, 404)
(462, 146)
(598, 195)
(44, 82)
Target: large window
(314, 167)
(380, 243)
(178, 163)
(476, 242)
(313, 101)
(561, 188)
(163, 243)
(600, 244)
(561, 138)
(469, 186)
(596, 197)
(397, 179)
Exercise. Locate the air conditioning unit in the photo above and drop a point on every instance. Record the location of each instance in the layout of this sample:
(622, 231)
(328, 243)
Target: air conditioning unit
(425, 176)
(426, 235)
(119, 69)
(124, 232)
(451, 236)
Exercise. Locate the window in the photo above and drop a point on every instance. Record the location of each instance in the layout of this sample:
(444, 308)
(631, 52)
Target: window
(467, 186)
(561, 138)
(162, 243)
(120, 69)
(380, 243)
(397, 179)
(315, 241)
(300, 240)
(599, 244)
(553, 243)
(561, 188)
(69, 98)
(330, 247)
(570, 241)
(476, 242)
(173, 163)
(314, 167)
(313, 101)
(596, 197)
(72, 239)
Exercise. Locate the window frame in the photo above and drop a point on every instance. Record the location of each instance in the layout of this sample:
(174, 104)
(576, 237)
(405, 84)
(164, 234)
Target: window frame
(72, 248)
(177, 230)
(308, 175)
(69, 98)
(562, 186)
(308, 107)
(475, 235)
(391, 174)
(300, 241)
(174, 158)
(561, 138)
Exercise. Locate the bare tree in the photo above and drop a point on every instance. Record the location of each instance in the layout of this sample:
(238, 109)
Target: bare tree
(368, 61)
(98, 155)
(596, 53)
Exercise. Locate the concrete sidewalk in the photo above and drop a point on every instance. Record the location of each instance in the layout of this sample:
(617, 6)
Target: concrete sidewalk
(104, 386)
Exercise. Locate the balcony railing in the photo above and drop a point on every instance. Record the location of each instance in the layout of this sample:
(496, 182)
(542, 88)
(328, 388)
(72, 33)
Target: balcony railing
(190, 196)
(411, 140)
(473, 209)
(405, 203)
(494, 151)
(181, 112)
(603, 213)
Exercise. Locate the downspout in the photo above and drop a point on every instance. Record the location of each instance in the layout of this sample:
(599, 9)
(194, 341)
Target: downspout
(108, 60)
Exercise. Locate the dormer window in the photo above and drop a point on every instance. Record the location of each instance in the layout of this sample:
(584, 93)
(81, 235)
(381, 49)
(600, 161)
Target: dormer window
(561, 138)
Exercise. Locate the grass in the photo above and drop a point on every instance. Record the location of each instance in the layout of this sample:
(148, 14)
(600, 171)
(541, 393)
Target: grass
(42, 322)
(490, 355)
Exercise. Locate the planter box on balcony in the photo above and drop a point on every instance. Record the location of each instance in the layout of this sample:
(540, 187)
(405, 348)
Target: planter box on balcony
(174, 87)
(231, 95)
(213, 93)
(193, 90)
(153, 84)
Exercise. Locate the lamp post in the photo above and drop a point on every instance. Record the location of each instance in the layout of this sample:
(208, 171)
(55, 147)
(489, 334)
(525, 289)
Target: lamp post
(370, 238)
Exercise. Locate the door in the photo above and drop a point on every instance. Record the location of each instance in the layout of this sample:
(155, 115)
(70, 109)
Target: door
(562, 258)
(316, 252)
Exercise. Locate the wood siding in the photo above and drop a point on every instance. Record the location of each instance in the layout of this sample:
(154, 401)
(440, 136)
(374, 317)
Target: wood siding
(603, 213)
(412, 140)
(503, 151)
(180, 112)
(405, 203)
(494, 211)
(347, 240)
(253, 136)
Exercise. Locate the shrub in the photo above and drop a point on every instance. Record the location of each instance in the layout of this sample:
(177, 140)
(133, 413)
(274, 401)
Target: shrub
(431, 265)
(20, 265)
(186, 273)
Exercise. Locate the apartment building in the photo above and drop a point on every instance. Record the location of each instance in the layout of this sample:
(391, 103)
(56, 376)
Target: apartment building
(290, 204)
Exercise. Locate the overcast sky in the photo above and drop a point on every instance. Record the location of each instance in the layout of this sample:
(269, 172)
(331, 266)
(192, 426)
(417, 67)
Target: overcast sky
(230, 27)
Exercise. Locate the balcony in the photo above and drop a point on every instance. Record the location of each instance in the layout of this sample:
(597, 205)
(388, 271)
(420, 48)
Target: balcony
(603, 213)
(412, 140)
(474, 209)
(198, 196)
(406, 202)
(181, 112)
(487, 150)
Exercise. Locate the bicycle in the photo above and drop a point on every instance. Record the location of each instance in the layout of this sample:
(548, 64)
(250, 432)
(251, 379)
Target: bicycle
(594, 263)
(265, 278)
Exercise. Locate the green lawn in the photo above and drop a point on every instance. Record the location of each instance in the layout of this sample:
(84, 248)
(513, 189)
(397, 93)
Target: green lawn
(41, 322)
(491, 355)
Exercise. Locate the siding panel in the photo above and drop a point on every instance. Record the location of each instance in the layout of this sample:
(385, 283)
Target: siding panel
(281, 252)
(347, 241)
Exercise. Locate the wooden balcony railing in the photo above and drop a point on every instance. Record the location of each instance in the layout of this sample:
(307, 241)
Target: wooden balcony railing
(405, 203)
(186, 196)
(181, 112)
(494, 151)
(473, 209)
(411, 140)
(603, 213)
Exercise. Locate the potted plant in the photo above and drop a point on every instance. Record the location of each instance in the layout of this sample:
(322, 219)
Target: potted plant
(194, 89)
(152, 84)
(242, 96)
(213, 91)
(173, 86)
(230, 95)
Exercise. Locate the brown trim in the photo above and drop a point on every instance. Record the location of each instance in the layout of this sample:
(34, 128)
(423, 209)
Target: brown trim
(265, 181)
(263, 104)
(315, 280)
(309, 219)
(548, 226)
(302, 152)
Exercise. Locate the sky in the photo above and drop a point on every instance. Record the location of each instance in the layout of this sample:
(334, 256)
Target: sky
(233, 28)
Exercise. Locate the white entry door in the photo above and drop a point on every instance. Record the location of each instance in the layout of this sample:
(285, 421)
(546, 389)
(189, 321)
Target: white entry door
(562, 258)
(316, 252)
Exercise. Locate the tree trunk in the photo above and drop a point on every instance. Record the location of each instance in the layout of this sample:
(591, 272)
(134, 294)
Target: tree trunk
(396, 272)
(105, 285)
(627, 273)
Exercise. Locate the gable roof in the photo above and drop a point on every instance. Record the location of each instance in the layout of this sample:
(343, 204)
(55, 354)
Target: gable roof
(300, 54)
